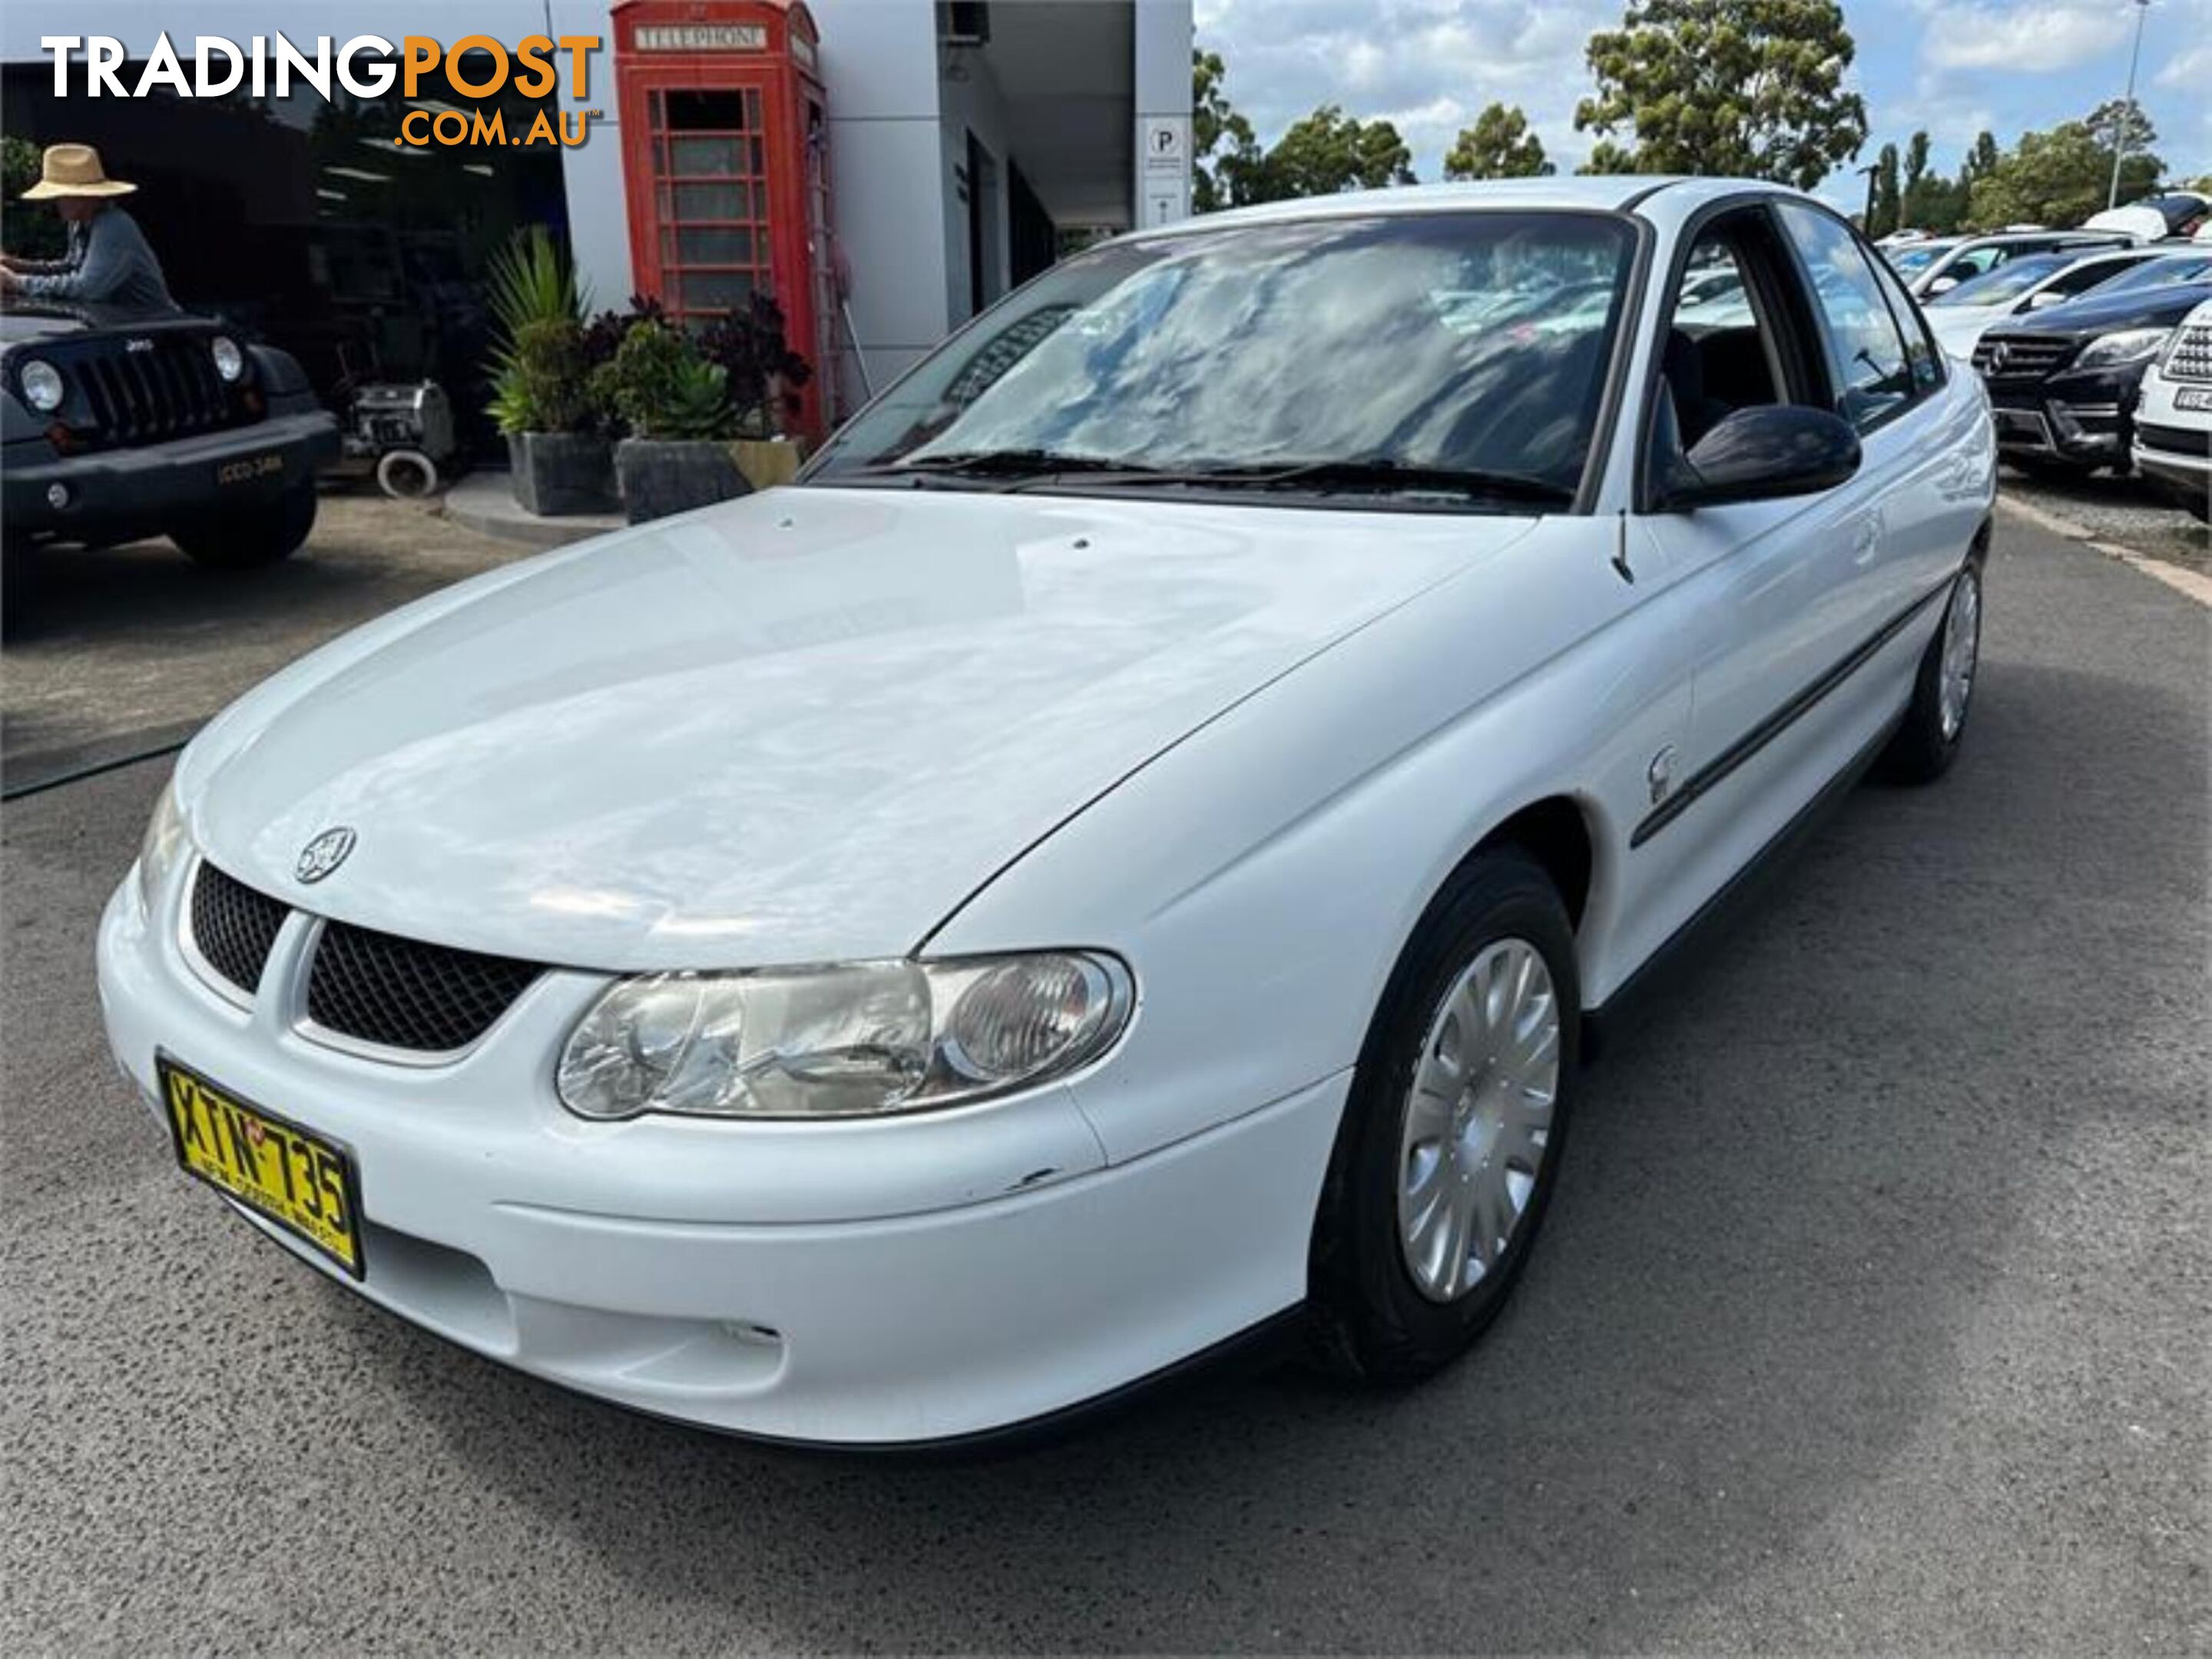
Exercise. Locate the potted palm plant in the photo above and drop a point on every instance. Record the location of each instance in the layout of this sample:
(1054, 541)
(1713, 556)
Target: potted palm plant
(676, 406)
(561, 459)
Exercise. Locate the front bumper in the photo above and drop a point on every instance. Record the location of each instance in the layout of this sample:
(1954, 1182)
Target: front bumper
(116, 495)
(2078, 417)
(2186, 468)
(881, 1283)
(2173, 444)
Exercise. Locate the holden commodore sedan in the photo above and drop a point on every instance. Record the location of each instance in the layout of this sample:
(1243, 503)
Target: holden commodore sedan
(1131, 854)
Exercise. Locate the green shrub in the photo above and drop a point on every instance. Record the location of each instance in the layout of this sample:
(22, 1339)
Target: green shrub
(658, 385)
(545, 385)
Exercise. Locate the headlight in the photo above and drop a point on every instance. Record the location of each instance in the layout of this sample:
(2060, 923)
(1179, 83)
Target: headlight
(2130, 345)
(856, 1040)
(42, 385)
(229, 360)
(162, 844)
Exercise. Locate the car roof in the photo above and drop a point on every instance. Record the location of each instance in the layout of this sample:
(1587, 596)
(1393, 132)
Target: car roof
(2099, 236)
(1599, 193)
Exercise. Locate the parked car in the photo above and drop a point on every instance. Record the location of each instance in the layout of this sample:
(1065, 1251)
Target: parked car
(2061, 381)
(2019, 286)
(2173, 415)
(1132, 853)
(1908, 260)
(114, 426)
(1977, 256)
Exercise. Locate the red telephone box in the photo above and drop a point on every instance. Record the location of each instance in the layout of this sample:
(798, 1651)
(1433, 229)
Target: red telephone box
(725, 158)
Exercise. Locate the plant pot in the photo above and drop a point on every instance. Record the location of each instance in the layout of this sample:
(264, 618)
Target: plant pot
(661, 476)
(767, 462)
(562, 472)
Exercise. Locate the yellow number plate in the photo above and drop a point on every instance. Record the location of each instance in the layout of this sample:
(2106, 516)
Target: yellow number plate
(304, 1183)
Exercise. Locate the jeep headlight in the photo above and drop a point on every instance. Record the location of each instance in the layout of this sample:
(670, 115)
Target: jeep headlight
(229, 360)
(41, 383)
(853, 1040)
(164, 842)
(2130, 345)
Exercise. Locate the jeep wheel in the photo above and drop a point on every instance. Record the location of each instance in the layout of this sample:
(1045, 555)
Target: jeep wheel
(246, 538)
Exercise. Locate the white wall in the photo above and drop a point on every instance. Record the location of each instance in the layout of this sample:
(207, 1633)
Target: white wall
(592, 173)
(879, 68)
(971, 102)
(1164, 31)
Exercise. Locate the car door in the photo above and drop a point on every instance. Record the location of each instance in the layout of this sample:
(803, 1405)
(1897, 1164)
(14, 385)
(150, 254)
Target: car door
(1777, 593)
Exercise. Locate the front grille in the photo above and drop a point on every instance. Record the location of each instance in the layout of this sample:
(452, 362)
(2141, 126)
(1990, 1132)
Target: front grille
(2174, 440)
(2191, 356)
(2021, 356)
(401, 994)
(166, 388)
(233, 928)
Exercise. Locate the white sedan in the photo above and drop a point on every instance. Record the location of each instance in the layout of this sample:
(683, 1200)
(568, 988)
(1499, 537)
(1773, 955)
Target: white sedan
(1132, 853)
(1961, 315)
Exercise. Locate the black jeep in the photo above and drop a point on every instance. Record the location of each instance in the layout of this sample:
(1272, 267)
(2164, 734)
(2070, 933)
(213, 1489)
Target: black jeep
(115, 427)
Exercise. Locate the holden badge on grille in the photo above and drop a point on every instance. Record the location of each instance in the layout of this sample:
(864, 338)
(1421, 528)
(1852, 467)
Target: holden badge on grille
(324, 854)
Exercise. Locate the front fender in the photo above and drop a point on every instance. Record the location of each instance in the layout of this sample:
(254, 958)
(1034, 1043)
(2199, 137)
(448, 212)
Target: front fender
(1262, 877)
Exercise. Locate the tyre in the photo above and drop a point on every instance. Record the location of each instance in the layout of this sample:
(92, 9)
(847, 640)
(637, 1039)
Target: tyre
(407, 474)
(1922, 748)
(246, 538)
(1444, 1163)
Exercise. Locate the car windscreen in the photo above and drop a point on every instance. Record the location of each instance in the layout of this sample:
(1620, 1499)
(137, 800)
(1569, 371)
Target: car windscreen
(1911, 261)
(2158, 273)
(1463, 344)
(2007, 282)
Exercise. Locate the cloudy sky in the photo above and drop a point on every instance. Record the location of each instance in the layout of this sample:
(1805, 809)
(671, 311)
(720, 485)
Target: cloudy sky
(1952, 66)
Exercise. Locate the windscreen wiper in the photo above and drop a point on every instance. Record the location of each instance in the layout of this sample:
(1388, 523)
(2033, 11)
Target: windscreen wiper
(1020, 468)
(1000, 464)
(1382, 472)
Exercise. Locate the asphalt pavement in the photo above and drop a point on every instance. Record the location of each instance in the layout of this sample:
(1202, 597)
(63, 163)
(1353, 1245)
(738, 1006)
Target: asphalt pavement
(114, 650)
(1872, 1313)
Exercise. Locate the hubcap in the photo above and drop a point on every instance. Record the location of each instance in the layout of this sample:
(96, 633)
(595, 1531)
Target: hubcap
(1477, 1119)
(1962, 643)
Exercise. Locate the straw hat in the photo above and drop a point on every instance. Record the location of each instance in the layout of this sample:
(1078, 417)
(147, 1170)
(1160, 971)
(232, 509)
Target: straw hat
(75, 170)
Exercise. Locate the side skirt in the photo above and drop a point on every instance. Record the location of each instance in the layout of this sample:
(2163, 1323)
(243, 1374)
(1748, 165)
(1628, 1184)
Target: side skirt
(1631, 1002)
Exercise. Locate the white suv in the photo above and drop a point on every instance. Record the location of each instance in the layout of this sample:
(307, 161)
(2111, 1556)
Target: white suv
(2173, 415)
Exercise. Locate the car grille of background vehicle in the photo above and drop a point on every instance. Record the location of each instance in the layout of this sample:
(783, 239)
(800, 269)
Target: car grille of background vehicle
(2021, 356)
(2174, 440)
(169, 389)
(399, 993)
(233, 928)
(2192, 358)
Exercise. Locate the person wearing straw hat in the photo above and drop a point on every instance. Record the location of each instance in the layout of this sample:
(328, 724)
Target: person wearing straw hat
(109, 261)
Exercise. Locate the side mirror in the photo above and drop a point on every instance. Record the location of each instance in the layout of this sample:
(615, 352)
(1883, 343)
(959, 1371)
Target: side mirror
(1942, 285)
(1761, 454)
(2049, 297)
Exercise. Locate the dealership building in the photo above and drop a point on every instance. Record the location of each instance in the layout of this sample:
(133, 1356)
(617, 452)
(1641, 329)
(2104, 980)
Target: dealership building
(885, 167)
